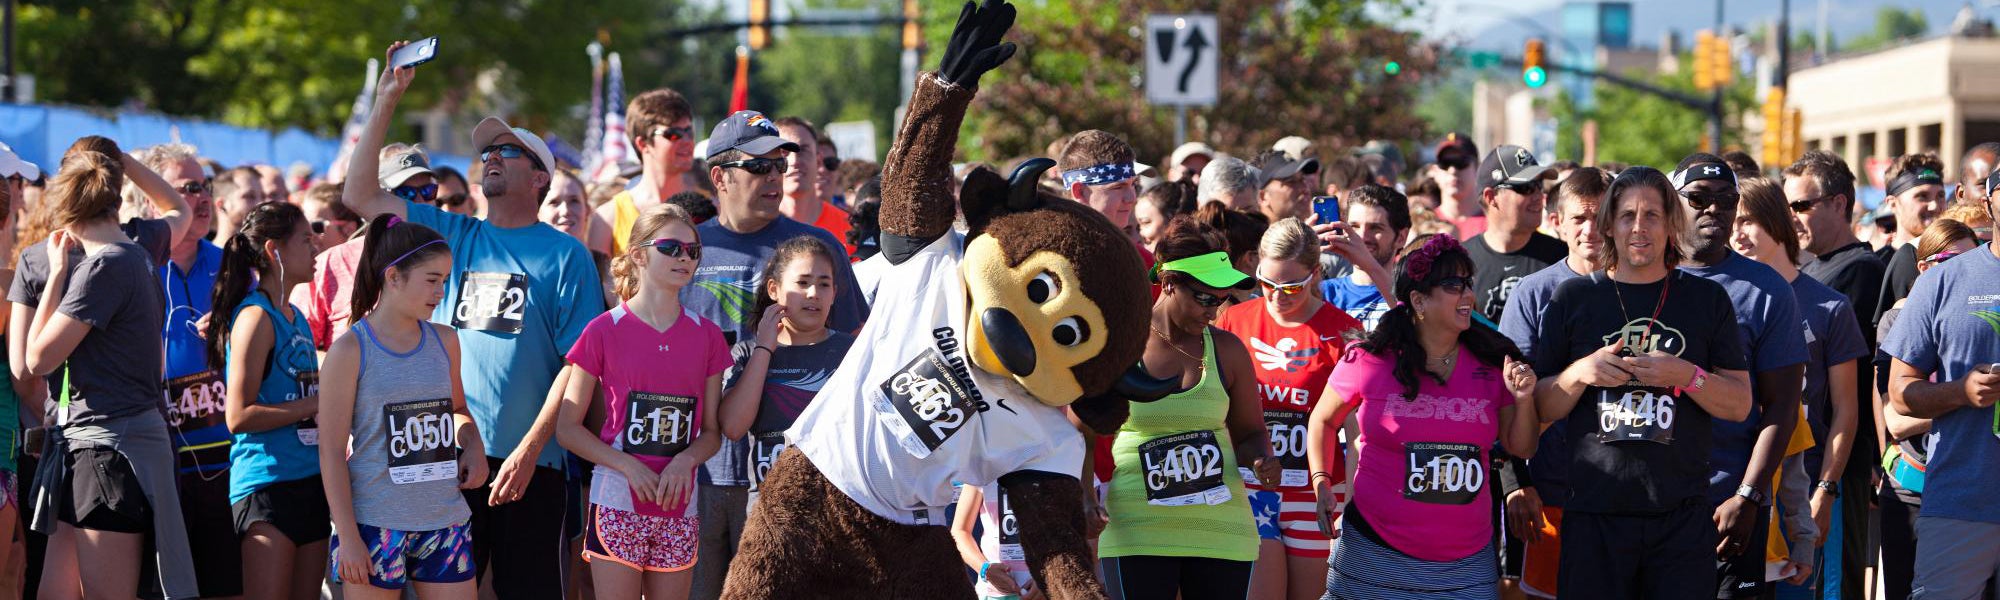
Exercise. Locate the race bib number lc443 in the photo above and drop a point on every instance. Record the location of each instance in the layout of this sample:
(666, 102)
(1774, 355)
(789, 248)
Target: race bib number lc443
(1635, 415)
(495, 302)
(421, 441)
(195, 401)
(657, 424)
(1287, 429)
(1443, 473)
(1183, 469)
(924, 403)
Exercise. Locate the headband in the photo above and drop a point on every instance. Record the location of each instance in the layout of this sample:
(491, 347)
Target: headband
(385, 268)
(1418, 264)
(1100, 174)
(1912, 179)
(1700, 171)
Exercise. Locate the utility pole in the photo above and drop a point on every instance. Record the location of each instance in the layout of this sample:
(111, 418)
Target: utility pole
(1715, 100)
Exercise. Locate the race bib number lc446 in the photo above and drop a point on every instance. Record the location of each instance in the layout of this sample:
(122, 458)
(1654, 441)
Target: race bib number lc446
(495, 302)
(657, 424)
(1635, 415)
(421, 441)
(1443, 473)
(1183, 469)
(924, 403)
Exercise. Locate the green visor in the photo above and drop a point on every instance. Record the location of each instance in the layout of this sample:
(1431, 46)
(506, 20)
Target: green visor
(1212, 269)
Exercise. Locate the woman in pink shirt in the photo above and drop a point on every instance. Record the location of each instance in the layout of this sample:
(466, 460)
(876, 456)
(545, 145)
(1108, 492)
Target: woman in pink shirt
(1431, 394)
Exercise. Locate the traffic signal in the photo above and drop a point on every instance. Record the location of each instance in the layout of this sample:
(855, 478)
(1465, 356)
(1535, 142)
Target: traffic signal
(1794, 144)
(760, 24)
(1724, 66)
(1392, 68)
(1774, 128)
(1532, 72)
(913, 37)
(1704, 61)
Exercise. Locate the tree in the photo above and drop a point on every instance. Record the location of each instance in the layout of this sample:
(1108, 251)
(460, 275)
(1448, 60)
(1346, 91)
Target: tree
(1892, 24)
(1640, 128)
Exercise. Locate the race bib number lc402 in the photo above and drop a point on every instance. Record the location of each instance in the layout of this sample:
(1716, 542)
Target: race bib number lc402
(421, 441)
(1635, 415)
(495, 302)
(1183, 469)
(925, 403)
(1443, 473)
(657, 424)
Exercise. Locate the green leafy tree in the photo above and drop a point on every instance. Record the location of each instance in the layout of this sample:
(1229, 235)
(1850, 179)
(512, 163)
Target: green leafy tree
(1641, 128)
(1892, 24)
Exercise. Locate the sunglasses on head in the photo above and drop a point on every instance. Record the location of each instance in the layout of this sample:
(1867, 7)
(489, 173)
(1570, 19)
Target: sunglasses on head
(510, 151)
(1285, 288)
(673, 248)
(1456, 284)
(831, 163)
(193, 187)
(424, 193)
(1940, 257)
(1702, 200)
(758, 166)
(674, 134)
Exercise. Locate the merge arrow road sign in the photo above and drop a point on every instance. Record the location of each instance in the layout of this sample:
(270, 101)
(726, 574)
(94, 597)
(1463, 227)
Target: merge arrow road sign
(1181, 59)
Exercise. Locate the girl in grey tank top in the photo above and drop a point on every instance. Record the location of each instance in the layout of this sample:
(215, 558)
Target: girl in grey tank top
(403, 460)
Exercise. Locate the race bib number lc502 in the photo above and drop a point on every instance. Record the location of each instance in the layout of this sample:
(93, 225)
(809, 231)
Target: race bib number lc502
(1635, 415)
(421, 443)
(495, 302)
(1183, 469)
(657, 424)
(1443, 473)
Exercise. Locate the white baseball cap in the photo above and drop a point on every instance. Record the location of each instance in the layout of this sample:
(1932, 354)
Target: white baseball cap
(491, 128)
(1189, 149)
(11, 164)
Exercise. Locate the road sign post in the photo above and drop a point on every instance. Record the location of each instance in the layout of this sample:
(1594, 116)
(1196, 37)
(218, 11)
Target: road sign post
(1181, 64)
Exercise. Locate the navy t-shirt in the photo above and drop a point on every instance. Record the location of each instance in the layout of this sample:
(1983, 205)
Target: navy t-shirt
(1950, 324)
(1766, 312)
(1833, 336)
(1523, 317)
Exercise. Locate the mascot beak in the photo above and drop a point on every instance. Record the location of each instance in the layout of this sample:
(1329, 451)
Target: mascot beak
(1008, 341)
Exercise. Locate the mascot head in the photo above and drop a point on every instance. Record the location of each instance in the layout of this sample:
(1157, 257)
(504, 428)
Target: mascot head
(1059, 297)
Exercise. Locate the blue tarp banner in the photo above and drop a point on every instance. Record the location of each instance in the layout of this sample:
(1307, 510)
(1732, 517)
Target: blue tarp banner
(40, 134)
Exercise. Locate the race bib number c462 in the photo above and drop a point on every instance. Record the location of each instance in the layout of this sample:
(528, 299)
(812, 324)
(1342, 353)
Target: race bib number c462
(1635, 415)
(764, 450)
(195, 401)
(1443, 473)
(657, 424)
(1287, 429)
(495, 302)
(924, 403)
(421, 441)
(1183, 469)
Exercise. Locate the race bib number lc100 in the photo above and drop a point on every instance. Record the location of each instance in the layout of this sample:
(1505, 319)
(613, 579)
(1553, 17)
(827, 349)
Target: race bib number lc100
(924, 403)
(1287, 429)
(764, 450)
(658, 424)
(421, 443)
(1635, 415)
(1443, 473)
(1184, 469)
(495, 302)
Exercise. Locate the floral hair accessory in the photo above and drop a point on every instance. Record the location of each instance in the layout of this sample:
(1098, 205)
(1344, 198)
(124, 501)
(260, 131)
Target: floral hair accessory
(1418, 264)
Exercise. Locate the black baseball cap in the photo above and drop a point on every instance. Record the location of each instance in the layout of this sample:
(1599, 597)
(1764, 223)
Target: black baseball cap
(748, 131)
(1511, 165)
(1280, 165)
(1456, 149)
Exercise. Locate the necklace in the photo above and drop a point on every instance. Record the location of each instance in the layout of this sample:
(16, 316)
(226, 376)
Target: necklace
(1199, 364)
(1446, 362)
(1645, 335)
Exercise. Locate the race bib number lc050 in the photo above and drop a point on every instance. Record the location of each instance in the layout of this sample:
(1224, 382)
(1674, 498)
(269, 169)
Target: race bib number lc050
(1635, 415)
(1443, 473)
(1184, 469)
(495, 302)
(421, 441)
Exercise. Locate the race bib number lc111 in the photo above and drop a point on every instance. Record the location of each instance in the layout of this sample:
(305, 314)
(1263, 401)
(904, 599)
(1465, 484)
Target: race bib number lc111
(421, 443)
(1287, 429)
(1184, 469)
(658, 424)
(495, 302)
(1443, 473)
(1635, 415)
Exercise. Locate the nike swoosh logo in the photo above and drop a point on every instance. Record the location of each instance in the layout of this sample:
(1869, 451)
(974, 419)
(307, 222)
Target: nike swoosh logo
(1328, 338)
(1003, 404)
(1508, 267)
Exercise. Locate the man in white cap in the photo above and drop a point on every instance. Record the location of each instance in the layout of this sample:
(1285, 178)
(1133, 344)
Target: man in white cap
(1301, 150)
(510, 359)
(1187, 162)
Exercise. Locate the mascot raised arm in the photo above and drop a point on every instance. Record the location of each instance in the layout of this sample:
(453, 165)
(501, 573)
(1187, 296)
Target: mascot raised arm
(976, 345)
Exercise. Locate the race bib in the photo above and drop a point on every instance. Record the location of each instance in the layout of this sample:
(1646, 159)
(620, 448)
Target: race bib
(1184, 469)
(195, 401)
(1443, 473)
(494, 302)
(308, 429)
(764, 450)
(1010, 530)
(421, 444)
(657, 424)
(1288, 443)
(1635, 415)
(924, 403)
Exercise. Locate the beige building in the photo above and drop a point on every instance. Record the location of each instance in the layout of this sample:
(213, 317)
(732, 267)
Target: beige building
(1939, 94)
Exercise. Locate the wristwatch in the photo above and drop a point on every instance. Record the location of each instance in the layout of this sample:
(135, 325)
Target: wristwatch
(1750, 493)
(1831, 488)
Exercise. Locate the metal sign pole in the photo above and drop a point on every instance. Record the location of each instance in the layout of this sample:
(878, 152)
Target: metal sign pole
(1180, 125)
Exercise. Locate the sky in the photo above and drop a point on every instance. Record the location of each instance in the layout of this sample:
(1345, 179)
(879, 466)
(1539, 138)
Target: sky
(1492, 24)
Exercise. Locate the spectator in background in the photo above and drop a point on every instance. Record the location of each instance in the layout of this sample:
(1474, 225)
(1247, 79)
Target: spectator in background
(563, 207)
(273, 181)
(1458, 199)
(864, 230)
(1285, 193)
(1097, 171)
(802, 201)
(1379, 220)
(1189, 161)
(662, 128)
(1160, 205)
(1972, 215)
(699, 208)
(1346, 173)
(454, 196)
(405, 172)
(1302, 151)
(1562, 169)
(1973, 169)
(1241, 231)
(830, 192)
(298, 176)
(852, 173)
(1740, 162)
(332, 223)
(236, 192)
(1231, 181)
(1511, 189)
(1916, 196)
(1385, 160)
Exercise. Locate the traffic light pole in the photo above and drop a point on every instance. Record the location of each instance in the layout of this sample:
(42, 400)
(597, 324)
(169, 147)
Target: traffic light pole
(1711, 105)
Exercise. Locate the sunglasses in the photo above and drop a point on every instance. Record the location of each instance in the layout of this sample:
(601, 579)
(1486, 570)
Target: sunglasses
(1454, 162)
(1806, 205)
(1285, 288)
(424, 193)
(1702, 200)
(319, 227)
(1456, 284)
(1206, 299)
(452, 200)
(194, 187)
(831, 163)
(758, 166)
(673, 248)
(674, 134)
(1525, 189)
(510, 151)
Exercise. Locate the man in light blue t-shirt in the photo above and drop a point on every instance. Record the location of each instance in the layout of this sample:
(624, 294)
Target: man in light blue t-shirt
(1379, 218)
(1950, 331)
(522, 293)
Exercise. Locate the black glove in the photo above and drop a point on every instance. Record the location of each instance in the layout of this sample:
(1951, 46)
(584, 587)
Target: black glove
(975, 45)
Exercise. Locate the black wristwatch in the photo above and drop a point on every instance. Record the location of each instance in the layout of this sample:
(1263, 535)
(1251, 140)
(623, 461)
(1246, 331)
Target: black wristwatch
(1832, 488)
(1750, 493)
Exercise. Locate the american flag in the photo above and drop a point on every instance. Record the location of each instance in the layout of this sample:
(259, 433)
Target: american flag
(593, 128)
(357, 120)
(615, 152)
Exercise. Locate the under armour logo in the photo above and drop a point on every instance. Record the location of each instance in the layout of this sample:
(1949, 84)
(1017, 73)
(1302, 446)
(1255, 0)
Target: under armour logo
(663, 347)
(1711, 170)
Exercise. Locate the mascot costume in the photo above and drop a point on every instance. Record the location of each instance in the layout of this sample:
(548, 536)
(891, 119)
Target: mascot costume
(976, 344)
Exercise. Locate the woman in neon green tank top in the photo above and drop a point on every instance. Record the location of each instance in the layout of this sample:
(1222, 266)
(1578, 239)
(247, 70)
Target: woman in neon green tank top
(1180, 519)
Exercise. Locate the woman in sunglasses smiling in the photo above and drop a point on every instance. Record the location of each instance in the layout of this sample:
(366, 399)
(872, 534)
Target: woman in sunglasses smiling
(1296, 338)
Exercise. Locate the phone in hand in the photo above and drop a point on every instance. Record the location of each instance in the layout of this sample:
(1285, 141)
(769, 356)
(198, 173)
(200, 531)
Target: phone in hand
(417, 53)
(1327, 207)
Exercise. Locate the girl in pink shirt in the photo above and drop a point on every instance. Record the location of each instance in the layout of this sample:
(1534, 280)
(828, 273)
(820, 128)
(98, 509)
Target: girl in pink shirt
(660, 369)
(1431, 395)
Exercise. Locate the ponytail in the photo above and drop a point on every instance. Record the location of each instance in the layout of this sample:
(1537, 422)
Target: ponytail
(86, 189)
(243, 264)
(391, 242)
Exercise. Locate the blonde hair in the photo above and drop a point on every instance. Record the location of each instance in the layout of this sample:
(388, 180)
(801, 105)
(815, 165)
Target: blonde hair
(1972, 214)
(1290, 239)
(625, 270)
(85, 189)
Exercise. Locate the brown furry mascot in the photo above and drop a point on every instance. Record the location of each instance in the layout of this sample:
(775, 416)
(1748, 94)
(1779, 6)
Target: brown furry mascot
(974, 347)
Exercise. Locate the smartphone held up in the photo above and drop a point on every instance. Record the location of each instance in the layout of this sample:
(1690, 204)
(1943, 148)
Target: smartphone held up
(416, 53)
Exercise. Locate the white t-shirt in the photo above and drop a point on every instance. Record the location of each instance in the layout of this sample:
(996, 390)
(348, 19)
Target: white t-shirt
(907, 413)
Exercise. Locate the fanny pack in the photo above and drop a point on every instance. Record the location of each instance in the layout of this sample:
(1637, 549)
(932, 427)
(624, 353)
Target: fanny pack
(1905, 471)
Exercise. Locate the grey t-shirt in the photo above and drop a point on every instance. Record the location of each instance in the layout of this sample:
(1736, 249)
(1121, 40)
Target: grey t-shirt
(115, 370)
(31, 274)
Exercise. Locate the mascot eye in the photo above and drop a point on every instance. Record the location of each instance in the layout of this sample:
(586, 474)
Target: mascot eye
(1043, 287)
(1070, 332)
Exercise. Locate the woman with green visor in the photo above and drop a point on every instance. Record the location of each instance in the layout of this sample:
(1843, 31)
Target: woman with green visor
(1179, 517)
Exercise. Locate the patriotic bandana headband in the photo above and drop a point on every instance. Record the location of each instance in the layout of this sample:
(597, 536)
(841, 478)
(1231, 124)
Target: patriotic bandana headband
(1100, 174)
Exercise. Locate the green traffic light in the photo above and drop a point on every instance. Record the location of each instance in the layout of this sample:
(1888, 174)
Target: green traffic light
(1392, 68)
(1534, 77)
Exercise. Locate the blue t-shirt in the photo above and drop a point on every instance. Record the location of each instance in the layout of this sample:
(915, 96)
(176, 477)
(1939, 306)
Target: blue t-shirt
(1766, 312)
(194, 391)
(725, 290)
(1950, 324)
(1833, 336)
(1363, 302)
(287, 453)
(1549, 468)
(520, 298)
